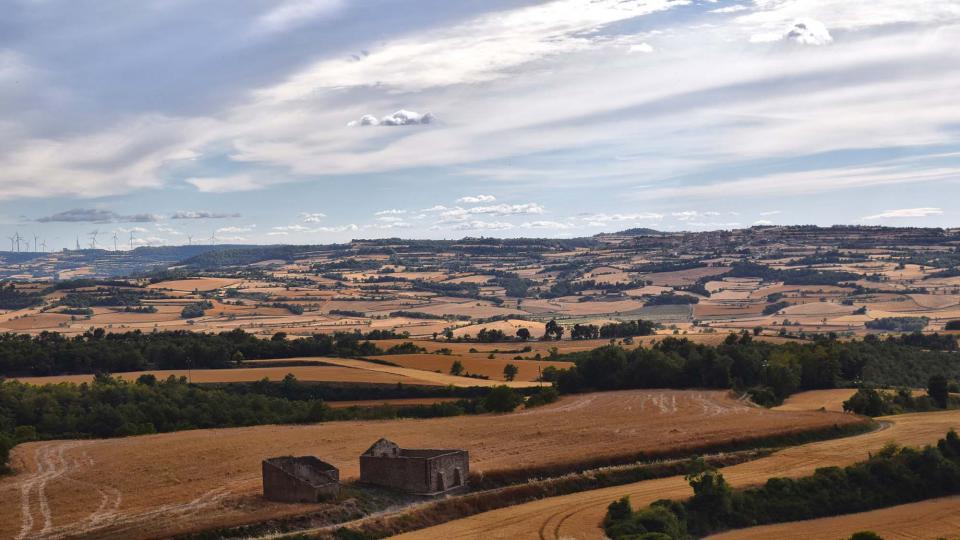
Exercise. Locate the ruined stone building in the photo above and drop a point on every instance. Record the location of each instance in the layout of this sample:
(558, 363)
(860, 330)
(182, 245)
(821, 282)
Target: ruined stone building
(417, 471)
(299, 479)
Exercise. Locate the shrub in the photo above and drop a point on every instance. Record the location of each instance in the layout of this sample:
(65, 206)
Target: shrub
(501, 399)
(191, 311)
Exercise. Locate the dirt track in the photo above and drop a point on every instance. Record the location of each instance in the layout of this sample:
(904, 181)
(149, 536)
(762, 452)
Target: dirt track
(158, 485)
(577, 516)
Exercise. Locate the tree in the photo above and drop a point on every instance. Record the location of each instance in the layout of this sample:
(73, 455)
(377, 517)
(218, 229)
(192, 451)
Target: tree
(502, 399)
(952, 325)
(510, 372)
(191, 311)
(553, 330)
(937, 390)
(6, 444)
(456, 368)
(523, 334)
(279, 336)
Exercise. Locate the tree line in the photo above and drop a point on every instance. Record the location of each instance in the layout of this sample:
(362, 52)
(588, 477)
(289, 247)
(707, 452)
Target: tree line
(97, 351)
(768, 372)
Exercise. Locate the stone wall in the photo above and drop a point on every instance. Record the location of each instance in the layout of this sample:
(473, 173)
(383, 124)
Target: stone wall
(304, 479)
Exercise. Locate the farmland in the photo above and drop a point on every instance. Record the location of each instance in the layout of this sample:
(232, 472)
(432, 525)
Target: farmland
(579, 515)
(96, 486)
(784, 280)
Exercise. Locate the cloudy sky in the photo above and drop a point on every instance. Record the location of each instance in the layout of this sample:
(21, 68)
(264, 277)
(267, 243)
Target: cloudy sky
(297, 121)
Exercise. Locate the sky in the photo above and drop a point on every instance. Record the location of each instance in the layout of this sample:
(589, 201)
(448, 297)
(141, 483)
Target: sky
(318, 121)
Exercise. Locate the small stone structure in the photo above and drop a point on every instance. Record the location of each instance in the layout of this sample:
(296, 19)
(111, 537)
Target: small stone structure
(421, 472)
(299, 479)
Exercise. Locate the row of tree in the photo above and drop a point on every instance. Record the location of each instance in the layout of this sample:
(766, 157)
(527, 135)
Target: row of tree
(97, 351)
(769, 371)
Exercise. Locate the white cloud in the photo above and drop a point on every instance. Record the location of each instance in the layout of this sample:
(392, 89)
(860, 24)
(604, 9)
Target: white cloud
(459, 213)
(236, 229)
(483, 49)
(770, 213)
(602, 219)
(473, 199)
(312, 217)
(225, 184)
(399, 118)
(290, 13)
(390, 219)
(338, 228)
(478, 225)
(763, 222)
(547, 225)
(735, 8)
(688, 215)
(641, 48)
(906, 213)
(390, 212)
(202, 214)
(289, 228)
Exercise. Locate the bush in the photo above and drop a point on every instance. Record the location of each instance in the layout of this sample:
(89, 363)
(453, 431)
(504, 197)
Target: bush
(545, 395)
(6, 444)
(501, 399)
(191, 311)
(898, 324)
(952, 325)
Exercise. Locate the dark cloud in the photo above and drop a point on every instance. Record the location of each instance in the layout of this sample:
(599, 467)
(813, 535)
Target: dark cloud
(202, 215)
(95, 215)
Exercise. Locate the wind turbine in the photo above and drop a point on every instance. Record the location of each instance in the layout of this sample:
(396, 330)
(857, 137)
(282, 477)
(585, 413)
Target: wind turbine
(36, 242)
(43, 246)
(18, 238)
(114, 241)
(78, 242)
(131, 240)
(93, 238)
(189, 239)
(213, 238)
(12, 240)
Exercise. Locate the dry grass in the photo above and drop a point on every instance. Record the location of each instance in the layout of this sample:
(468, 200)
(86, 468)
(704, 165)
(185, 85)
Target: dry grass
(159, 485)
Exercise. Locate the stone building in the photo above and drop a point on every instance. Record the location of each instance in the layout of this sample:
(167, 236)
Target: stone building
(299, 479)
(417, 471)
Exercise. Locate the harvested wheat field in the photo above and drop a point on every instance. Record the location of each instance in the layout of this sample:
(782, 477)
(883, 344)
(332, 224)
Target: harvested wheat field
(828, 400)
(528, 370)
(303, 373)
(198, 284)
(578, 516)
(935, 518)
(157, 485)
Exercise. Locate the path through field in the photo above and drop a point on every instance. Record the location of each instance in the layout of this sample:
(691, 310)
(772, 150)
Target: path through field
(160, 485)
(578, 516)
